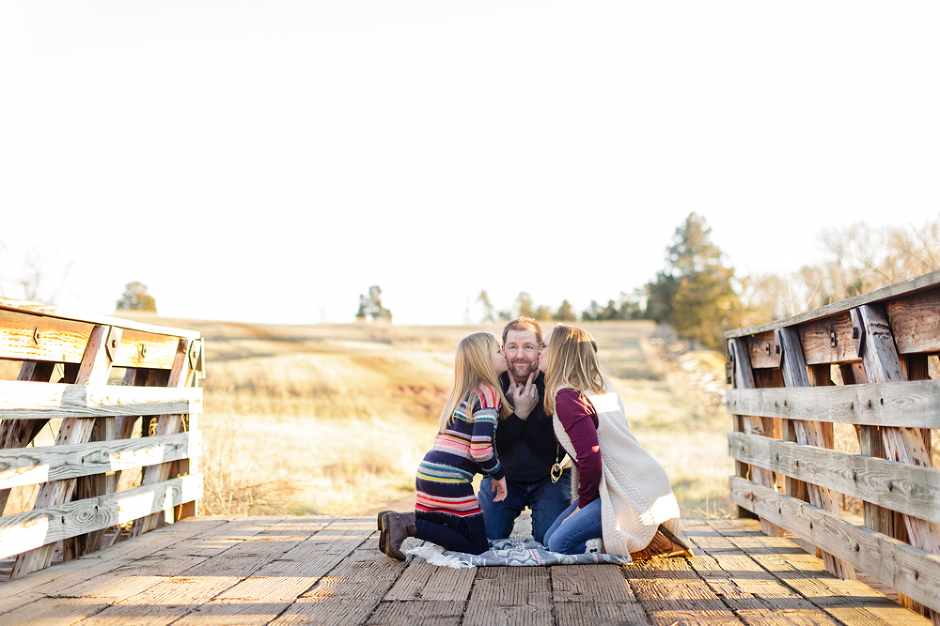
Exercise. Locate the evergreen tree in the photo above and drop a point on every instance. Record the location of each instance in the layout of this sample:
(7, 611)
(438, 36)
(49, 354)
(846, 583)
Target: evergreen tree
(565, 313)
(136, 298)
(705, 302)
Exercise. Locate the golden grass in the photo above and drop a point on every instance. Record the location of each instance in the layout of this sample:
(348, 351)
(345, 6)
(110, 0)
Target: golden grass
(335, 418)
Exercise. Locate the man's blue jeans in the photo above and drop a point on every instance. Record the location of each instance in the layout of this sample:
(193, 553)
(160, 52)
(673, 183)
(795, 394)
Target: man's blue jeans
(571, 536)
(546, 499)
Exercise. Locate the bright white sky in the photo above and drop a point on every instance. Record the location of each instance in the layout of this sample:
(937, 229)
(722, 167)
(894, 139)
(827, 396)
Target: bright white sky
(269, 161)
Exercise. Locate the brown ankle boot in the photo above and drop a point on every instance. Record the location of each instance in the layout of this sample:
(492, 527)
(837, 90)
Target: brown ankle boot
(398, 527)
(382, 525)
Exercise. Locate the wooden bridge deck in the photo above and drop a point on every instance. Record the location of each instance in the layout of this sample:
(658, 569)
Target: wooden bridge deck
(322, 570)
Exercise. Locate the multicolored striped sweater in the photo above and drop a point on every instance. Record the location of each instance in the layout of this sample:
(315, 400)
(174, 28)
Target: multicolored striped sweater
(460, 451)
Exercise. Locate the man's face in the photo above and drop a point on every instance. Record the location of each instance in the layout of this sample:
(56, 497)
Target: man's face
(522, 353)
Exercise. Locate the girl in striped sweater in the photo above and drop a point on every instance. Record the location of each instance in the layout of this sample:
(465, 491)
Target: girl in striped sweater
(446, 510)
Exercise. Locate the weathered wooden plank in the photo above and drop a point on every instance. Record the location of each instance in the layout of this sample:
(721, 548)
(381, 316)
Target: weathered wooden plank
(601, 614)
(49, 311)
(907, 445)
(761, 350)
(420, 612)
(138, 349)
(510, 596)
(18, 434)
(828, 340)
(892, 292)
(352, 589)
(849, 602)
(36, 400)
(913, 404)
(744, 379)
(425, 581)
(66, 579)
(910, 570)
(181, 375)
(39, 527)
(795, 374)
(54, 612)
(164, 603)
(40, 338)
(30, 466)
(900, 487)
(915, 322)
(32, 337)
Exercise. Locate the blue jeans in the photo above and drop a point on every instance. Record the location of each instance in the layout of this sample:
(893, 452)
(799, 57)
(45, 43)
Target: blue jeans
(570, 537)
(546, 499)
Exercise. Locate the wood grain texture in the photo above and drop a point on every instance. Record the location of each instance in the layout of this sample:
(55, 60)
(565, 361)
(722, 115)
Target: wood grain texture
(38, 465)
(36, 400)
(319, 570)
(910, 570)
(41, 527)
(795, 374)
(913, 404)
(817, 338)
(897, 486)
(53, 312)
(915, 322)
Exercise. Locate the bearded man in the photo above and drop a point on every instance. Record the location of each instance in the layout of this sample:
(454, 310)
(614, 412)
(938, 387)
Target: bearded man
(525, 443)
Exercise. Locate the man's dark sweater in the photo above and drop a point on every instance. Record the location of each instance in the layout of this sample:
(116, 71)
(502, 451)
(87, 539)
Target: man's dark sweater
(526, 448)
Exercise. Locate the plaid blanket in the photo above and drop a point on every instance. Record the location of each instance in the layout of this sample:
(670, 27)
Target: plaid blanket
(513, 553)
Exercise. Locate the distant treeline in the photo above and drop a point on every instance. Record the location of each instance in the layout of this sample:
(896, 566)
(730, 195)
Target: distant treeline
(699, 294)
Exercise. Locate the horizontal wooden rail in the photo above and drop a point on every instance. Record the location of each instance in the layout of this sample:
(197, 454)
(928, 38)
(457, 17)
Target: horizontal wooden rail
(898, 486)
(40, 527)
(911, 571)
(30, 466)
(36, 400)
(904, 404)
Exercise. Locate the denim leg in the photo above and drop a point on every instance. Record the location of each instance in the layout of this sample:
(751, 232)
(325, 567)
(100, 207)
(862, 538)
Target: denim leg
(571, 536)
(499, 517)
(558, 520)
(548, 500)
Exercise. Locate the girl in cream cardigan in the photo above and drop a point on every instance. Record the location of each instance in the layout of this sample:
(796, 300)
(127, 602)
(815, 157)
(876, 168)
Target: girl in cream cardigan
(624, 495)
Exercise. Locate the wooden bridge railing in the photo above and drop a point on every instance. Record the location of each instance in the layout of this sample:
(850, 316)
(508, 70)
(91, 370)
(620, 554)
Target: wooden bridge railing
(93, 377)
(863, 362)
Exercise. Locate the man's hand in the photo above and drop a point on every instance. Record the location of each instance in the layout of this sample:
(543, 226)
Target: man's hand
(523, 397)
(501, 491)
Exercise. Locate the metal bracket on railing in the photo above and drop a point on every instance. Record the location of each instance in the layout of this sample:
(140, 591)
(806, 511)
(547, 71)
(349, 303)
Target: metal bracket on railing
(858, 332)
(111, 344)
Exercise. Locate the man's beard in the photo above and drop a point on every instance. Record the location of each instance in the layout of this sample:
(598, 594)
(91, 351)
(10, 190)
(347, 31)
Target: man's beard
(527, 368)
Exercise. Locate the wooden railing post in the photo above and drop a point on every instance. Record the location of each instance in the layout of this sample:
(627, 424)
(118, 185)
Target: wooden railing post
(795, 374)
(744, 379)
(181, 375)
(904, 445)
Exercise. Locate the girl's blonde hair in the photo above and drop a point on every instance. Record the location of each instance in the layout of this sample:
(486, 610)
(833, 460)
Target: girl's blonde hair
(572, 364)
(473, 365)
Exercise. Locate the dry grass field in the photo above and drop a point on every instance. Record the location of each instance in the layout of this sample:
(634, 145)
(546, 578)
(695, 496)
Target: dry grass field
(334, 419)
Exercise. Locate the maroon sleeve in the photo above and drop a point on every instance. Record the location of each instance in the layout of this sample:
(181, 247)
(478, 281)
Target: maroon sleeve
(580, 422)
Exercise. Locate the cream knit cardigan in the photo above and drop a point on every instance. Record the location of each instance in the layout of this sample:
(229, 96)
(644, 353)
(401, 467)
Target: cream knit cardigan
(635, 493)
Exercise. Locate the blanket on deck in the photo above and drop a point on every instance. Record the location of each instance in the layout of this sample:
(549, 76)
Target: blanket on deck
(513, 553)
